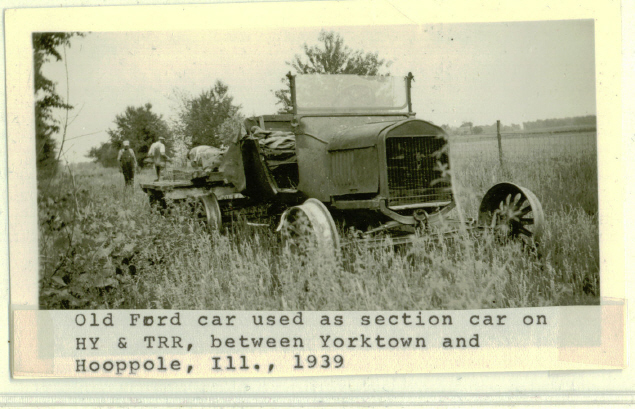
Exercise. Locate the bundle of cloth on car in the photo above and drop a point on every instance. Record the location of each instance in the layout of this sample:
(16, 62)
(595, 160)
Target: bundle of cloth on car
(206, 157)
(278, 147)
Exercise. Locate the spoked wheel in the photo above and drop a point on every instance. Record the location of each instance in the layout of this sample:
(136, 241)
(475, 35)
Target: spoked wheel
(512, 211)
(309, 226)
(208, 212)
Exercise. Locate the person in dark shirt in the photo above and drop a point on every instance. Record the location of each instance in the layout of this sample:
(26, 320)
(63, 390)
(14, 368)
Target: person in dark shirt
(127, 163)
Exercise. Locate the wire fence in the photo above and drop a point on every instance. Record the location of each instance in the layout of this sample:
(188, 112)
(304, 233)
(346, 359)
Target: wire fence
(546, 161)
(510, 147)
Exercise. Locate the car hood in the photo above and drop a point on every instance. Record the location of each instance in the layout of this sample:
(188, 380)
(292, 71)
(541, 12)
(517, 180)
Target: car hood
(363, 136)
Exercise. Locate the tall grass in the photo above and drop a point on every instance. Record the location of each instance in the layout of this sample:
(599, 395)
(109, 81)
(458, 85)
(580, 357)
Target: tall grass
(104, 247)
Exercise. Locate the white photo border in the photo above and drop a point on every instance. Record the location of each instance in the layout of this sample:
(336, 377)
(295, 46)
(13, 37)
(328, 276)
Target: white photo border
(497, 387)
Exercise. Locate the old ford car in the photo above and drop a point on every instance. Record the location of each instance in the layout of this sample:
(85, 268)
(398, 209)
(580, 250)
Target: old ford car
(352, 158)
(363, 162)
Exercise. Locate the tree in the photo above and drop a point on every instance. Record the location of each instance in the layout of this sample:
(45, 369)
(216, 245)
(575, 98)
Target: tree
(45, 47)
(208, 119)
(106, 154)
(477, 130)
(331, 56)
(138, 125)
(230, 128)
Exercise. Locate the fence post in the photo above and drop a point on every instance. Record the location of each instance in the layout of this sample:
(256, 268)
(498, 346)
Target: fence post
(500, 145)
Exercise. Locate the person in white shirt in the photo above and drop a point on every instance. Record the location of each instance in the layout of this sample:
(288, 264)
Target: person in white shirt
(157, 154)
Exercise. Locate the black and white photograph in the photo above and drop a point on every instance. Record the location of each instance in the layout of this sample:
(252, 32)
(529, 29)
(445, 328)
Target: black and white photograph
(444, 166)
(316, 202)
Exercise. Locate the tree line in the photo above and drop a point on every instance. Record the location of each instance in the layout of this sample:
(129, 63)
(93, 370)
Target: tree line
(588, 120)
(468, 128)
(209, 118)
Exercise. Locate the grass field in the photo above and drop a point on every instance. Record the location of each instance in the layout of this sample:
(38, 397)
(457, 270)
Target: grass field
(104, 247)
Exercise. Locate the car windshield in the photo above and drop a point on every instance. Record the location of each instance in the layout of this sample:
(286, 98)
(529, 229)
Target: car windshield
(350, 93)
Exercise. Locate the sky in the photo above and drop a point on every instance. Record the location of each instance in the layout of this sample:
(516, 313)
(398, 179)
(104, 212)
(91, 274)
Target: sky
(479, 72)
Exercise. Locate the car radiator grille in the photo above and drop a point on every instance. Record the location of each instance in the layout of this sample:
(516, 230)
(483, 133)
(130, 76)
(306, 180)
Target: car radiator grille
(414, 175)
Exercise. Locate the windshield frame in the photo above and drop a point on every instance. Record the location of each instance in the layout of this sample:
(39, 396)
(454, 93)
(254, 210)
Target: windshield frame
(352, 111)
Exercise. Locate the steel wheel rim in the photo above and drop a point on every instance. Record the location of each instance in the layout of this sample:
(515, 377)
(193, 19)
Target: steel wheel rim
(512, 211)
(211, 212)
(309, 225)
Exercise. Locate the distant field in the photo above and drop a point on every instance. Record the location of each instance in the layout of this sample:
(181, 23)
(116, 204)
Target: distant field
(526, 148)
(581, 143)
(538, 132)
(560, 168)
(103, 247)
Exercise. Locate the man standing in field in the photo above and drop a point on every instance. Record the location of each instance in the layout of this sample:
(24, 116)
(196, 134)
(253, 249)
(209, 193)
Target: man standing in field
(157, 155)
(127, 163)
